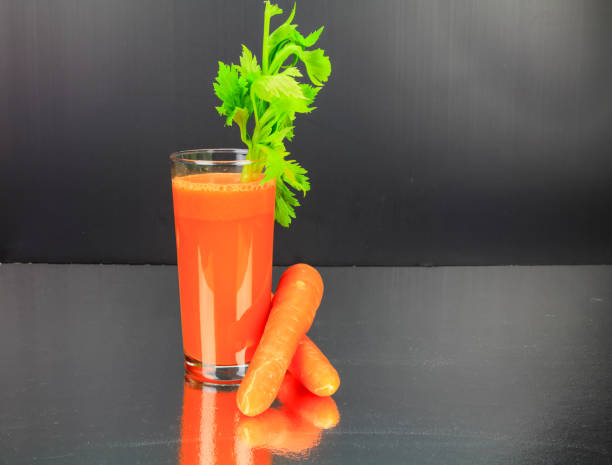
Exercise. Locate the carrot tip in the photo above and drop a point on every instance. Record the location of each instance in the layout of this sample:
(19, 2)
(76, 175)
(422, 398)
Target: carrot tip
(326, 390)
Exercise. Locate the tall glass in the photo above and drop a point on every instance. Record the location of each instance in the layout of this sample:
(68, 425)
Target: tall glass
(224, 234)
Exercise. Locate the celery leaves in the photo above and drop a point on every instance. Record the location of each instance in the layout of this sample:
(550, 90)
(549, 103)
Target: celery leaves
(270, 94)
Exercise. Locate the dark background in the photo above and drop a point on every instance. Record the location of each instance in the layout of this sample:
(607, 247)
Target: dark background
(451, 132)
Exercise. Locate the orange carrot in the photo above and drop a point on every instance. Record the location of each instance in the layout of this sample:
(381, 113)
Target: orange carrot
(313, 369)
(297, 298)
(322, 412)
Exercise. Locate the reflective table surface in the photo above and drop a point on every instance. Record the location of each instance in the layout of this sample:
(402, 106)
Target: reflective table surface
(509, 365)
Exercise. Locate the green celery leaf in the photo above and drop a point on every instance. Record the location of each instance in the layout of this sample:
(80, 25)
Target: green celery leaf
(318, 66)
(264, 131)
(284, 205)
(275, 163)
(290, 105)
(249, 68)
(309, 92)
(292, 71)
(288, 32)
(270, 87)
(276, 138)
(282, 32)
(312, 38)
(286, 121)
(231, 90)
(295, 176)
(273, 9)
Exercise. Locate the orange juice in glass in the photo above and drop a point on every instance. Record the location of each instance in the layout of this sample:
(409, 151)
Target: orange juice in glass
(224, 234)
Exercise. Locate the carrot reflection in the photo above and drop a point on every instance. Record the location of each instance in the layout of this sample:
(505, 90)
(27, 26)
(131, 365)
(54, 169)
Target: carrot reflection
(322, 412)
(214, 432)
(279, 431)
(296, 427)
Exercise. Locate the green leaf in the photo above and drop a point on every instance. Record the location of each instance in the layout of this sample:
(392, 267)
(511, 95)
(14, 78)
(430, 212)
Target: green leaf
(262, 133)
(295, 176)
(249, 68)
(312, 38)
(275, 162)
(282, 32)
(276, 138)
(309, 92)
(231, 90)
(284, 210)
(318, 66)
(292, 71)
(291, 105)
(287, 173)
(288, 32)
(270, 87)
(286, 121)
(272, 9)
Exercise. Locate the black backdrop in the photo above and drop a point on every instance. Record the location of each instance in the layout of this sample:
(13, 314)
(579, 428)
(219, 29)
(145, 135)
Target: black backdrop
(451, 132)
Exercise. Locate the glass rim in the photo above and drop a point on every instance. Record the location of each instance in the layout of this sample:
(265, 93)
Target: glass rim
(182, 156)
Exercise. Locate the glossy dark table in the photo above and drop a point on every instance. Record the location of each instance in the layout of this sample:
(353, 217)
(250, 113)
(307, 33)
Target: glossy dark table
(509, 365)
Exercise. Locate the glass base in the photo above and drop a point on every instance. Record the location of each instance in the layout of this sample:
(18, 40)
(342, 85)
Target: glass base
(206, 386)
(202, 373)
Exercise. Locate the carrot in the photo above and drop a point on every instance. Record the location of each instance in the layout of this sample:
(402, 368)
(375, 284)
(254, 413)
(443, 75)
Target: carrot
(297, 298)
(322, 412)
(313, 369)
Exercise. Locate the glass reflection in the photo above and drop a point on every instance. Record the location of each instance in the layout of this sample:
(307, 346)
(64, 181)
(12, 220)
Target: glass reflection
(213, 431)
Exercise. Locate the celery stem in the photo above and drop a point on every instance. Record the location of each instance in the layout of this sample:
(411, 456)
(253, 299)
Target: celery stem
(266, 32)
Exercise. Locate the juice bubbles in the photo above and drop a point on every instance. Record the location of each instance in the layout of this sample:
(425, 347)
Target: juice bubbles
(224, 235)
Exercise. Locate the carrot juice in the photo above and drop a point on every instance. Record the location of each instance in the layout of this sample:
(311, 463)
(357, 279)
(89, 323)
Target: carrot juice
(224, 234)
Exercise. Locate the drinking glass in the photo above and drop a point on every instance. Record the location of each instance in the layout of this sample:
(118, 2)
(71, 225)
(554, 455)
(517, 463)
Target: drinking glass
(224, 234)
